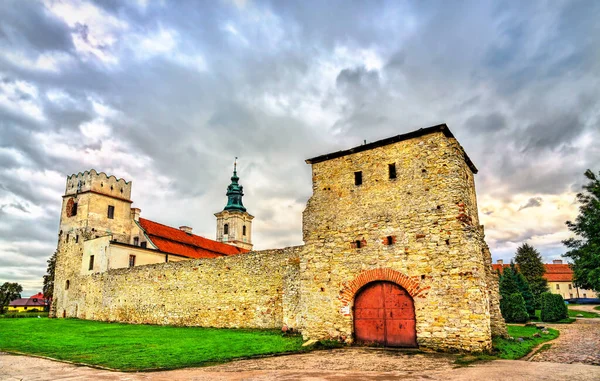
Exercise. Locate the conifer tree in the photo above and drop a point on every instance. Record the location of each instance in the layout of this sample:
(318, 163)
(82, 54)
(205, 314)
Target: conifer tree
(525, 291)
(48, 289)
(585, 250)
(531, 266)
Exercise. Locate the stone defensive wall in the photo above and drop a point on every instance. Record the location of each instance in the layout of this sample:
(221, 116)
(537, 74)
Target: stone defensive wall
(255, 290)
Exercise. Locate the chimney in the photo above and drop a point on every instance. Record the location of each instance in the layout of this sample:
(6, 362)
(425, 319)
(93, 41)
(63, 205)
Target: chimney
(135, 213)
(557, 261)
(500, 261)
(186, 229)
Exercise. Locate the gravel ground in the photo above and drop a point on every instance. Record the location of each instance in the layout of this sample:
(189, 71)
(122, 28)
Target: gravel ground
(336, 365)
(578, 343)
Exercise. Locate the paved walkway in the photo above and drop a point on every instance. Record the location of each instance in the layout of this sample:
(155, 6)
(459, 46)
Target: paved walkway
(578, 343)
(336, 365)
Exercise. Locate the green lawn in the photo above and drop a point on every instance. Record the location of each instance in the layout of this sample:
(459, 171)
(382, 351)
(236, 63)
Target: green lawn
(597, 308)
(513, 349)
(138, 347)
(586, 314)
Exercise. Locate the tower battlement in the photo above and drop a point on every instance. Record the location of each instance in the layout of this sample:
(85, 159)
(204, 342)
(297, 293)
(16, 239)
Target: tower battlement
(98, 183)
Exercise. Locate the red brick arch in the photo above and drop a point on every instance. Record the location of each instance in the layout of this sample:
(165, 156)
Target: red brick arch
(410, 284)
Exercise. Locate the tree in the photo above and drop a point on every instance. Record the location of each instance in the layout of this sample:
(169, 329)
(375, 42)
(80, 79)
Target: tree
(525, 291)
(585, 250)
(515, 309)
(508, 287)
(531, 266)
(48, 288)
(8, 293)
(553, 307)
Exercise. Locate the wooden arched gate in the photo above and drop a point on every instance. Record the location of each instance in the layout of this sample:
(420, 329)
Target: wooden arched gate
(384, 314)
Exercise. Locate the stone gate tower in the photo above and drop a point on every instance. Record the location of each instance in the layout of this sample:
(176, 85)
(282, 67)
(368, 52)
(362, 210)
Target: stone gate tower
(234, 223)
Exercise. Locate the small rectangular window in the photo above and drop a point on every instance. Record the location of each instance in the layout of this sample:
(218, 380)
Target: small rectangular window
(131, 260)
(389, 240)
(74, 209)
(358, 244)
(77, 238)
(358, 178)
(558, 287)
(570, 286)
(111, 212)
(143, 244)
(91, 266)
(136, 241)
(392, 170)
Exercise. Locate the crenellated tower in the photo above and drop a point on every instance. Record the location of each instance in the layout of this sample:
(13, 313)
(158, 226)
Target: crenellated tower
(234, 223)
(94, 205)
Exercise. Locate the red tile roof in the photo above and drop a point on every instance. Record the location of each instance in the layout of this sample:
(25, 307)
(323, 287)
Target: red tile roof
(175, 241)
(554, 272)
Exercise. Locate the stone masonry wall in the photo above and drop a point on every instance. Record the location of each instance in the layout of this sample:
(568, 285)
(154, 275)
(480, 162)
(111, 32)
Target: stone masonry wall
(251, 290)
(430, 213)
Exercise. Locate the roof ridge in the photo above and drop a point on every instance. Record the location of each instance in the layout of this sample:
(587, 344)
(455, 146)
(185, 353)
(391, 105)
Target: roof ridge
(190, 244)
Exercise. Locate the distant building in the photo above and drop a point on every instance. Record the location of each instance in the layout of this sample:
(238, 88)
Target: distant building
(560, 280)
(36, 302)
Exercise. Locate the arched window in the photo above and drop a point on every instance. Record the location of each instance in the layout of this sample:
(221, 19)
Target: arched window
(226, 229)
(244, 230)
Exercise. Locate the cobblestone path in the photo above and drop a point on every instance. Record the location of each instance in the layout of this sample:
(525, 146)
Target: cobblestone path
(578, 343)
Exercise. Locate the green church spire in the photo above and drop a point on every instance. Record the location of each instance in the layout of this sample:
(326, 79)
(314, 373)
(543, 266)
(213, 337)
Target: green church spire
(235, 192)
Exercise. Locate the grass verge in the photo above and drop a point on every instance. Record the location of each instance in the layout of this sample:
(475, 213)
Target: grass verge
(511, 349)
(585, 314)
(515, 349)
(129, 347)
(20, 315)
(597, 308)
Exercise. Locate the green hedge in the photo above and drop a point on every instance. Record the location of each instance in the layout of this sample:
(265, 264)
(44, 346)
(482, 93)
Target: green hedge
(553, 307)
(514, 309)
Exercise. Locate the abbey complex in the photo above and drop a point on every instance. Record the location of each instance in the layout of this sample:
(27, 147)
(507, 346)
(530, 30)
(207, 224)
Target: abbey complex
(393, 255)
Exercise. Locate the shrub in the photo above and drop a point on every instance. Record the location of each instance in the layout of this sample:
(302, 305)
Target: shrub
(553, 307)
(513, 309)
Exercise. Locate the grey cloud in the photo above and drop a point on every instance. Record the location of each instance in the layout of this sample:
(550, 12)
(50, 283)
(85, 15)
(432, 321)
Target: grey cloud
(496, 74)
(28, 22)
(532, 203)
(486, 124)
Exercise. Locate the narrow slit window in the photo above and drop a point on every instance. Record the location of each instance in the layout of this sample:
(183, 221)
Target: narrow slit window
(389, 240)
(91, 264)
(74, 209)
(244, 230)
(392, 170)
(77, 238)
(358, 178)
(226, 229)
(67, 284)
(358, 244)
(111, 212)
(131, 260)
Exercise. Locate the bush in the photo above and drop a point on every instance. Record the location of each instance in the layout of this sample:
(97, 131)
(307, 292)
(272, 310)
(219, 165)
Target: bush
(513, 309)
(553, 307)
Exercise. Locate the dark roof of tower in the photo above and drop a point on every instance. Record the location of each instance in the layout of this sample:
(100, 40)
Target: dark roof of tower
(443, 128)
(235, 192)
(176, 241)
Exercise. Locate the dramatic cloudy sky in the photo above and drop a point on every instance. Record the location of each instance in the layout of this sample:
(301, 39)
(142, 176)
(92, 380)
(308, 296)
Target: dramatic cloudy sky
(167, 93)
